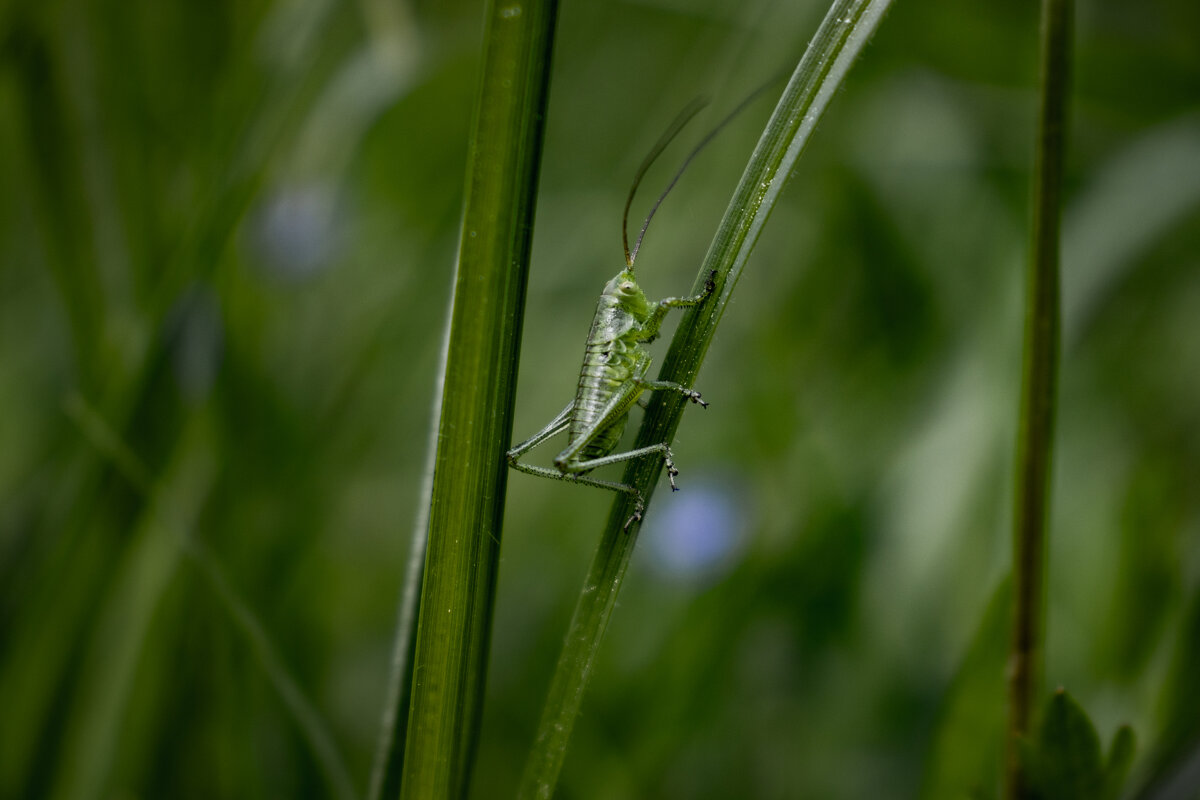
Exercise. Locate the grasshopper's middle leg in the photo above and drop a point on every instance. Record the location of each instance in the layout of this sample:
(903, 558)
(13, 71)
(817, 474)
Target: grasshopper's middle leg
(689, 394)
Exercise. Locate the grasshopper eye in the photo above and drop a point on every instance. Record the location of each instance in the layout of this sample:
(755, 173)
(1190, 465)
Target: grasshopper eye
(627, 287)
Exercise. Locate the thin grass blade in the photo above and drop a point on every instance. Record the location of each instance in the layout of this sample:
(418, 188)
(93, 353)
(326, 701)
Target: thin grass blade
(838, 41)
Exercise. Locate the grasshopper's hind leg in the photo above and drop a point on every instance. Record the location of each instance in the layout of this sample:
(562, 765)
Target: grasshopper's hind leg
(569, 463)
(573, 468)
(639, 503)
(555, 427)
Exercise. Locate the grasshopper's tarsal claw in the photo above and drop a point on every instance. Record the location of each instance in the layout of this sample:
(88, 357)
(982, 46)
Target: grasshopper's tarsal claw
(637, 513)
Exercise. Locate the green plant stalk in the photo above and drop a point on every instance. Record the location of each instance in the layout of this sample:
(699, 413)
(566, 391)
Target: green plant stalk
(838, 41)
(470, 472)
(1038, 391)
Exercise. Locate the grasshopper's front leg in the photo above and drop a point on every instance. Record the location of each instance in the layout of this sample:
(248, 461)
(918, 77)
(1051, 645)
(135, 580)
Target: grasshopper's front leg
(655, 320)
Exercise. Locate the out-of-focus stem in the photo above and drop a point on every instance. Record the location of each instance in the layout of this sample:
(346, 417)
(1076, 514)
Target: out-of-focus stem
(1039, 377)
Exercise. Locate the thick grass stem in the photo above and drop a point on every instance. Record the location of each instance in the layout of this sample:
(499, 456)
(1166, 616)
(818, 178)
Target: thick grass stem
(470, 474)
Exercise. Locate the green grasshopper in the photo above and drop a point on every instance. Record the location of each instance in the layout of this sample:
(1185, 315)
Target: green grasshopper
(615, 360)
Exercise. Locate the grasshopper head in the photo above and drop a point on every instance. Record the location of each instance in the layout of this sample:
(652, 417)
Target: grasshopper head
(624, 287)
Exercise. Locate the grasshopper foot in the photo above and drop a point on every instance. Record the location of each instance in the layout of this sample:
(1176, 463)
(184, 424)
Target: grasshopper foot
(671, 471)
(637, 513)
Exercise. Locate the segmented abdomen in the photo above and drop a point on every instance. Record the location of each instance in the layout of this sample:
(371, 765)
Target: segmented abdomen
(607, 366)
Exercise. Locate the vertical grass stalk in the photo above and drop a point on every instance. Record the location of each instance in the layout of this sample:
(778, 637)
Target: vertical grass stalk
(470, 470)
(825, 63)
(1038, 391)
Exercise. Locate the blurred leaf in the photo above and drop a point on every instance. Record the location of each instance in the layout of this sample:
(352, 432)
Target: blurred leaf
(1180, 698)
(1063, 759)
(1128, 205)
(967, 744)
(1148, 580)
(1120, 759)
(134, 593)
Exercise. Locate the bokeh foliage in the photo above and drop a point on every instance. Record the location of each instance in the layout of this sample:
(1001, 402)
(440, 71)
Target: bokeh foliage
(226, 240)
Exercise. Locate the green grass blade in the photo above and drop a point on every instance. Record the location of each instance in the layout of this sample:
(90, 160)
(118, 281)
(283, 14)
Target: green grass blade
(117, 642)
(820, 72)
(1038, 389)
(470, 475)
(386, 772)
(309, 722)
(166, 533)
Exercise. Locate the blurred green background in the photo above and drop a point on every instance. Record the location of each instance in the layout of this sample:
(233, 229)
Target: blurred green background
(227, 236)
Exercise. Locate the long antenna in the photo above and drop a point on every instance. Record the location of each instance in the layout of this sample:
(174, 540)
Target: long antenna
(670, 133)
(681, 120)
